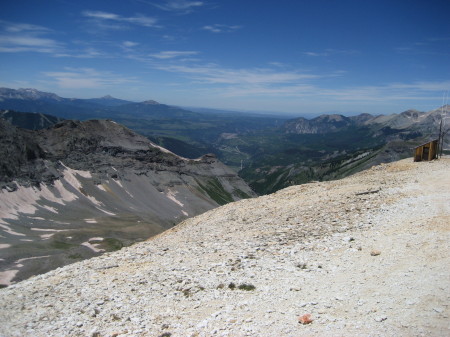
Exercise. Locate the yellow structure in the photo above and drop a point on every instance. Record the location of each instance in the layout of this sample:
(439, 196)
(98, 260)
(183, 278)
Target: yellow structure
(427, 151)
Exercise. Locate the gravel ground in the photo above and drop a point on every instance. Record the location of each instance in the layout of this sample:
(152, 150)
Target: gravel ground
(363, 256)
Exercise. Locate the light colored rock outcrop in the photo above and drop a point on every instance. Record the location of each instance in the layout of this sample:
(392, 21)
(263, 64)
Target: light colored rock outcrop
(364, 256)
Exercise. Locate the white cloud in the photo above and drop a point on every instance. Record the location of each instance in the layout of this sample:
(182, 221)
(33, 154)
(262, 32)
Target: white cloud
(22, 37)
(82, 54)
(219, 28)
(101, 15)
(179, 5)
(331, 52)
(102, 19)
(170, 54)
(82, 78)
(214, 74)
(414, 91)
(277, 81)
(22, 27)
(129, 44)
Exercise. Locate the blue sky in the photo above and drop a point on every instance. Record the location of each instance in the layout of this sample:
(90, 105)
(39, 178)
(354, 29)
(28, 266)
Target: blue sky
(292, 56)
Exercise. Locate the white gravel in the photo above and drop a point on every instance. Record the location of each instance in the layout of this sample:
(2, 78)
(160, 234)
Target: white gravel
(364, 256)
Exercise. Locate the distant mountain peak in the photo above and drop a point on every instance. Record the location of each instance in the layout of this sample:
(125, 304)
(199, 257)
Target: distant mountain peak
(331, 118)
(28, 93)
(107, 97)
(151, 102)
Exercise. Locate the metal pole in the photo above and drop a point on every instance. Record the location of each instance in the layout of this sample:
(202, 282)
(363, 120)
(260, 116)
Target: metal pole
(439, 139)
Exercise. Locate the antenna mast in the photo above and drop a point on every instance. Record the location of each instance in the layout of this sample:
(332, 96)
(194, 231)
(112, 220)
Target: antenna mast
(442, 133)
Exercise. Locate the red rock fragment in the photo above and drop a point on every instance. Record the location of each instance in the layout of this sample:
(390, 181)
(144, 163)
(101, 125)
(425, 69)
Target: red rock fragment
(305, 319)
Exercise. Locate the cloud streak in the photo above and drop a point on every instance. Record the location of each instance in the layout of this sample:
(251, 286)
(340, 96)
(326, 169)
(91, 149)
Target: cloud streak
(220, 28)
(179, 5)
(330, 52)
(106, 20)
(214, 74)
(22, 37)
(87, 78)
(271, 82)
(171, 54)
(129, 44)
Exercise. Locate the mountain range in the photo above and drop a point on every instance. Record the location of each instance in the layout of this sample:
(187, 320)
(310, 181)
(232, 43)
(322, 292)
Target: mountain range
(268, 152)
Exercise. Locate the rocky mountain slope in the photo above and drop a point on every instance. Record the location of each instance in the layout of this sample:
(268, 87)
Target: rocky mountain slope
(367, 255)
(186, 133)
(321, 124)
(334, 146)
(411, 120)
(29, 120)
(78, 189)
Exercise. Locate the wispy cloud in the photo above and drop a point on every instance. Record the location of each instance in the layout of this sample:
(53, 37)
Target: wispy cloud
(430, 46)
(22, 27)
(87, 53)
(220, 28)
(214, 74)
(279, 82)
(414, 91)
(113, 21)
(179, 5)
(330, 52)
(22, 37)
(129, 44)
(170, 54)
(85, 78)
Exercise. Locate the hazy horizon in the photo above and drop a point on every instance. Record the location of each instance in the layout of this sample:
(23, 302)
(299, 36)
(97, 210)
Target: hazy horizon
(292, 58)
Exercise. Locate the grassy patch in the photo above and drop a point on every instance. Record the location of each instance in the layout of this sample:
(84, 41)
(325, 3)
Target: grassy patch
(111, 244)
(241, 194)
(61, 245)
(216, 191)
(75, 256)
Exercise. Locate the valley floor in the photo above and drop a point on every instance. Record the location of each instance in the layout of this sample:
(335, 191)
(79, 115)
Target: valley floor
(367, 255)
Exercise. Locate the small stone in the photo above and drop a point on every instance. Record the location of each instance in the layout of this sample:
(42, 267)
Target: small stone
(94, 332)
(380, 318)
(305, 319)
(375, 252)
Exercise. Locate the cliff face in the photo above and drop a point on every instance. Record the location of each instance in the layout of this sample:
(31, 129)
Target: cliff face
(81, 188)
(363, 256)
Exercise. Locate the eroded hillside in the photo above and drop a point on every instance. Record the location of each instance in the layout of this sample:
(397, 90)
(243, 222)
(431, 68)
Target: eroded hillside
(78, 189)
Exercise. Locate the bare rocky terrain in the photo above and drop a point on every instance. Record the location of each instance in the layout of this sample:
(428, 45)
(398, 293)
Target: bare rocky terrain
(77, 189)
(367, 255)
